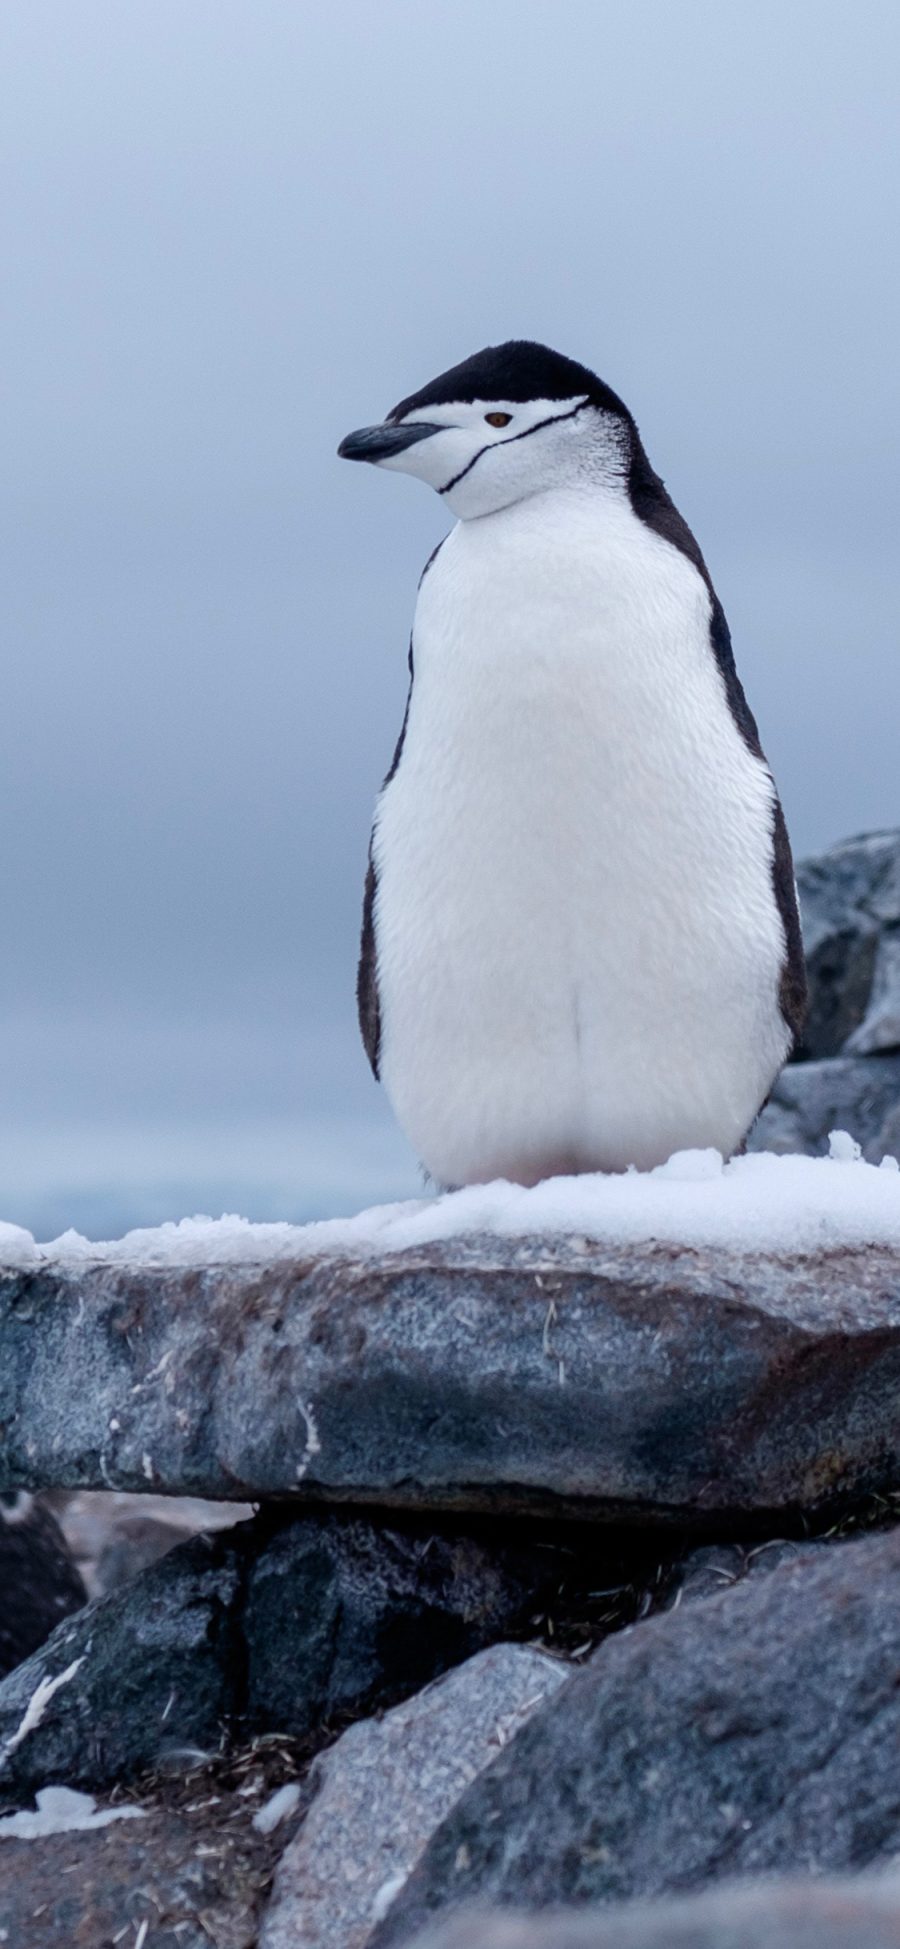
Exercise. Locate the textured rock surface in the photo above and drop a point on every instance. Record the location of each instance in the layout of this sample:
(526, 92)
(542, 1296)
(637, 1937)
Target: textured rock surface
(649, 1383)
(855, 1913)
(856, 1093)
(39, 1584)
(753, 1731)
(707, 1571)
(380, 1792)
(850, 906)
(135, 1677)
(258, 1630)
(192, 1874)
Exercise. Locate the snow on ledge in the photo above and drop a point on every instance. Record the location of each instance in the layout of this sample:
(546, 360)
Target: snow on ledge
(755, 1203)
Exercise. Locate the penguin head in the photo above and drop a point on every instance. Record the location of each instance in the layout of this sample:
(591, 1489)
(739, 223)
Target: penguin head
(511, 421)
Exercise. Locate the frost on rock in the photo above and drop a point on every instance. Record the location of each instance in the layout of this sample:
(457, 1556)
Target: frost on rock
(759, 1202)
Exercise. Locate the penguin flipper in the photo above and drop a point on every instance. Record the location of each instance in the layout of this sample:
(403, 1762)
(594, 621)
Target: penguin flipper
(653, 503)
(367, 1000)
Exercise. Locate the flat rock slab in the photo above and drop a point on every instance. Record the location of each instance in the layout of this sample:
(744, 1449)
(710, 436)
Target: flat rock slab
(755, 1732)
(646, 1383)
(858, 1913)
(380, 1792)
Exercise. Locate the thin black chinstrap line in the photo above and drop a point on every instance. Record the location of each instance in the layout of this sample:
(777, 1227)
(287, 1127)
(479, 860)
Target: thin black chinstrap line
(491, 446)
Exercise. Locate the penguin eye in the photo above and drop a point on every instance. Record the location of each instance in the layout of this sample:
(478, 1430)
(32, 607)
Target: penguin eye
(498, 419)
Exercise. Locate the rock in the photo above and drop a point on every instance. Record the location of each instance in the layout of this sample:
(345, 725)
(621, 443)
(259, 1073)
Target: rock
(129, 1680)
(287, 1628)
(880, 1028)
(707, 1571)
(39, 1584)
(854, 1093)
(380, 1792)
(850, 909)
(81, 1890)
(862, 1912)
(648, 1384)
(752, 1732)
(342, 1615)
(192, 1873)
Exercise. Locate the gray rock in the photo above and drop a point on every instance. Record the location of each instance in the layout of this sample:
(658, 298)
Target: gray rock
(859, 1912)
(707, 1571)
(190, 1875)
(287, 1629)
(380, 1792)
(39, 1584)
(880, 1027)
(649, 1383)
(756, 1731)
(128, 1681)
(855, 1093)
(850, 909)
(341, 1615)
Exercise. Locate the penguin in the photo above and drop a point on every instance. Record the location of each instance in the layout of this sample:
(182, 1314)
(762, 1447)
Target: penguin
(581, 949)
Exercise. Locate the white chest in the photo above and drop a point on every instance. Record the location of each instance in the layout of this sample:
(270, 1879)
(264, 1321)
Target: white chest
(577, 940)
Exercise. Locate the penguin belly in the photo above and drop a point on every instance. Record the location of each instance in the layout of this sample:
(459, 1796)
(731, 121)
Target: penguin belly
(578, 945)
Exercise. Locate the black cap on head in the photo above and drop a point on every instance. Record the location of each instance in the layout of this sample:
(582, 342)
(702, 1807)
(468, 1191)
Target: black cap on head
(517, 371)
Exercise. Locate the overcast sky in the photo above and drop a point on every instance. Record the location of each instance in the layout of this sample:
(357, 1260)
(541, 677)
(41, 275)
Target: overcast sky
(231, 232)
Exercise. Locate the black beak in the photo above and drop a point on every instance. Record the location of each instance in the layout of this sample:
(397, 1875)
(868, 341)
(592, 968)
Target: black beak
(382, 442)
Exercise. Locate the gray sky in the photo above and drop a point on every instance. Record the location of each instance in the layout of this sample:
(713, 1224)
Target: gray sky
(229, 234)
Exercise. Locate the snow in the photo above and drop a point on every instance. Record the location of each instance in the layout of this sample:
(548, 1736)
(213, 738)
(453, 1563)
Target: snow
(276, 1809)
(17, 1248)
(60, 1810)
(756, 1203)
(44, 1691)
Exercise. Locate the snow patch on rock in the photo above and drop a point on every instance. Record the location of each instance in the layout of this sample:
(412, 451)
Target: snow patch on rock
(60, 1810)
(760, 1202)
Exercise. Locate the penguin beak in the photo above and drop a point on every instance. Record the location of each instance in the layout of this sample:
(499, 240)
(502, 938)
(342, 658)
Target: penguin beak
(384, 442)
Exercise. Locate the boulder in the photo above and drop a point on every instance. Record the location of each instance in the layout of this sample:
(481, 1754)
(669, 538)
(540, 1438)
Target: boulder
(187, 1866)
(850, 909)
(859, 1912)
(379, 1793)
(342, 1615)
(650, 1383)
(860, 1094)
(290, 1627)
(751, 1732)
(39, 1584)
(131, 1680)
(714, 1567)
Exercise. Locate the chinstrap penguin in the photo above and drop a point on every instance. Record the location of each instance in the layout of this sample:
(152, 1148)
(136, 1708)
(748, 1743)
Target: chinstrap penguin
(581, 948)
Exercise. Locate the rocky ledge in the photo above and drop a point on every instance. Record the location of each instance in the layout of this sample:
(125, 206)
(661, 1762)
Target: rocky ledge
(551, 1377)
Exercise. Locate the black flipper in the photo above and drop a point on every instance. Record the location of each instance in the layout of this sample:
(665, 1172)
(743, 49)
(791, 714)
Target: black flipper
(653, 504)
(367, 998)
